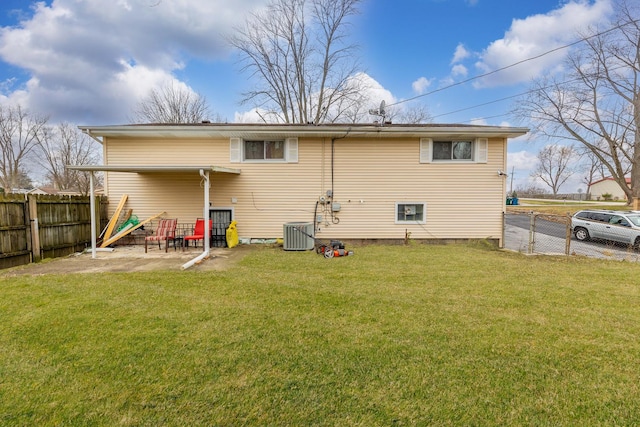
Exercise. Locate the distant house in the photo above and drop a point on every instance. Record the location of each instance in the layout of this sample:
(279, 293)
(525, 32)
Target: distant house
(608, 186)
(52, 191)
(43, 190)
(358, 181)
(34, 190)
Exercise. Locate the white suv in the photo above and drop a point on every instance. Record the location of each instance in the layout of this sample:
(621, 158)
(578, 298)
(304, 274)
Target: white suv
(617, 226)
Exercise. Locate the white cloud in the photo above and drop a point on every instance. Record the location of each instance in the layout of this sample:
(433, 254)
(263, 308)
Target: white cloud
(459, 70)
(521, 160)
(536, 35)
(252, 116)
(478, 122)
(421, 85)
(89, 61)
(374, 91)
(460, 54)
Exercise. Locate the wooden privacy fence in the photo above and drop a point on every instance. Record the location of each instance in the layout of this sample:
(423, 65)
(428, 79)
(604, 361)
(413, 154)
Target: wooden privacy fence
(34, 227)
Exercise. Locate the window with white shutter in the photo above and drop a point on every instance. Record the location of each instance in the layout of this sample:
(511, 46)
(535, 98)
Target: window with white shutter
(453, 151)
(248, 150)
(292, 150)
(235, 150)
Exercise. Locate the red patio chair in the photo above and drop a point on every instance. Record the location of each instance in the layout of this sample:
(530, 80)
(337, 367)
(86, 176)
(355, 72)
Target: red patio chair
(198, 232)
(166, 231)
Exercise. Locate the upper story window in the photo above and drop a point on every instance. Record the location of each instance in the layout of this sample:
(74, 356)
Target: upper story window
(452, 150)
(254, 150)
(467, 150)
(263, 150)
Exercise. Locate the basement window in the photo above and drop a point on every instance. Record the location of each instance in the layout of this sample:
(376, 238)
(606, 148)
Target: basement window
(413, 212)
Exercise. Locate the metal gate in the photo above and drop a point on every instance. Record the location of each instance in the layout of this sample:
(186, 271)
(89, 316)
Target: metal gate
(221, 219)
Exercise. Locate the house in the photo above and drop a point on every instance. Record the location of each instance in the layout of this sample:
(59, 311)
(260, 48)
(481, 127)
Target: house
(608, 186)
(349, 181)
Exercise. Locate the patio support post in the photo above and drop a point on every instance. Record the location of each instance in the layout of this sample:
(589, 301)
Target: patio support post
(207, 231)
(92, 205)
(205, 213)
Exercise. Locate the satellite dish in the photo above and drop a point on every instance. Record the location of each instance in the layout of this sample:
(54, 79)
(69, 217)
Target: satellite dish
(382, 105)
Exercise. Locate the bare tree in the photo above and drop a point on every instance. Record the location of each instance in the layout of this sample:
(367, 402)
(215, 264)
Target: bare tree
(297, 51)
(597, 103)
(530, 190)
(24, 180)
(414, 114)
(593, 169)
(555, 166)
(67, 145)
(19, 132)
(172, 104)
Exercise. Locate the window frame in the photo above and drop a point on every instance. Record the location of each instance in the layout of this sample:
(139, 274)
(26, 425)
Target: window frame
(237, 150)
(452, 150)
(479, 150)
(406, 204)
(265, 143)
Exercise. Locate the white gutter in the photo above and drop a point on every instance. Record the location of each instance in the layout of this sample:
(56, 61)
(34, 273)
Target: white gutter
(286, 130)
(88, 132)
(205, 215)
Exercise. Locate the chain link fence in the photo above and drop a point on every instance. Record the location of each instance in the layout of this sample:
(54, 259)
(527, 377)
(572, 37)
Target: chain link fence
(537, 233)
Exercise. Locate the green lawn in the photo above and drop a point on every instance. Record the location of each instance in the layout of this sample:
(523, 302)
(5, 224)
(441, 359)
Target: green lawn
(556, 207)
(411, 335)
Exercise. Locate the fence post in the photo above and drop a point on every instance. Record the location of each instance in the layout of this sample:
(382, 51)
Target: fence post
(532, 227)
(32, 202)
(568, 237)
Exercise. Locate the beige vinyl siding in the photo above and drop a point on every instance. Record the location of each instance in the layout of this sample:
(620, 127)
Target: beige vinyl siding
(463, 200)
(271, 194)
(607, 186)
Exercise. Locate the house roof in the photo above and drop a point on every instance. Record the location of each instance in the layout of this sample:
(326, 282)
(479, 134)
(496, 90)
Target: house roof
(244, 130)
(609, 178)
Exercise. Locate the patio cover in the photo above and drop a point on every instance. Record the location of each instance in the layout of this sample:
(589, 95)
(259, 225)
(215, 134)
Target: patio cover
(202, 170)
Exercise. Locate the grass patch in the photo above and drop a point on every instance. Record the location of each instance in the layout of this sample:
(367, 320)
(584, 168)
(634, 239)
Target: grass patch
(563, 208)
(414, 335)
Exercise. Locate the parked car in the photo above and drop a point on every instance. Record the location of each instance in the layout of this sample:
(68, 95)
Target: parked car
(616, 226)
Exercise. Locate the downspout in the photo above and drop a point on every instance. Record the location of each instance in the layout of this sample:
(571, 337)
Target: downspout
(205, 215)
(333, 159)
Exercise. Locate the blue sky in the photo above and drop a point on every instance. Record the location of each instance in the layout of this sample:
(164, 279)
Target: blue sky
(89, 61)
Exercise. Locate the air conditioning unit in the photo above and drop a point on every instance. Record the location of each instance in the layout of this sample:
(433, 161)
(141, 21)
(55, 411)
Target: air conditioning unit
(297, 236)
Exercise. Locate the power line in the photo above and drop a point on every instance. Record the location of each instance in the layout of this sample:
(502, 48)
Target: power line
(481, 105)
(470, 79)
(517, 95)
(487, 117)
(527, 92)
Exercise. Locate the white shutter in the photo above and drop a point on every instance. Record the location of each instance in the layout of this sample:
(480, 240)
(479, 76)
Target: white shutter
(292, 150)
(482, 147)
(235, 150)
(426, 145)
